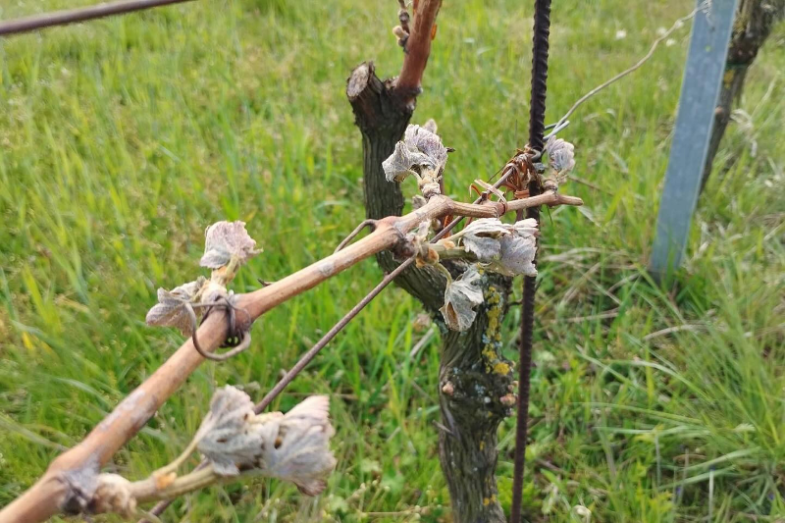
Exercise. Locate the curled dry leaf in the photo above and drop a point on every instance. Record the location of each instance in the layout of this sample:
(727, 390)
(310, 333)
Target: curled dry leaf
(506, 249)
(292, 446)
(561, 155)
(170, 310)
(227, 436)
(525, 228)
(402, 162)
(300, 452)
(227, 240)
(425, 140)
(460, 298)
(421, 149)
(482, 237)
(518, 250)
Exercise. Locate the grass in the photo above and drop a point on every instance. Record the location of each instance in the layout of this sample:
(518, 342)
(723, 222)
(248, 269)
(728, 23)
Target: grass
(121, 139)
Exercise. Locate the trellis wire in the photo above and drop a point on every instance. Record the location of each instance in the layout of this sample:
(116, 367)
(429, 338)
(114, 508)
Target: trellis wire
(72, 16)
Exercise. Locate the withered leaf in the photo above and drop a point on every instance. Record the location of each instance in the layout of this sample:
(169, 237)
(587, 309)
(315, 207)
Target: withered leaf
(460, 298)
(426, 141)
(170, 310)
(228, 436)
(561, 155)
(300, 452)
(400, 163)
(419, 148)
(292, 446)
(225, 240)
(482, 236)
(518, 250)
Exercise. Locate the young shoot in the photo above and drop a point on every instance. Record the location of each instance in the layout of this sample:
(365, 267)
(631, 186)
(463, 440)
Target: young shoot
(227, 248)
(420, 154)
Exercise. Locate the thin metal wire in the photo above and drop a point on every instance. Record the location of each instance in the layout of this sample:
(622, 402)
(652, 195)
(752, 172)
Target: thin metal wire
(72, 16)
(679, 23)
(542, 23)
(338, 327)
(306, 358)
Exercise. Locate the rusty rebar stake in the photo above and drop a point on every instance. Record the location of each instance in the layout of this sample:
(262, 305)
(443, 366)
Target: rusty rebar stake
(542, 25)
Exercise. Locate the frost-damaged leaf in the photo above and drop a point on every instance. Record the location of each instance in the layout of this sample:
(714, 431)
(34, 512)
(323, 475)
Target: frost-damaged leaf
(224, 240)
(482, 236)
(227, 436)
(300, 452)
(488, 228)
(460, 298)
(292, 446)
(421, 147)
(518, 250)
(170, 310)
(430, 126)
(561, 155)
(400, 163)
(426, 141)
(526, 228)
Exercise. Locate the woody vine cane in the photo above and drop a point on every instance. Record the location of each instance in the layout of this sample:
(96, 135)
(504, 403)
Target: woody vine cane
(542, 23)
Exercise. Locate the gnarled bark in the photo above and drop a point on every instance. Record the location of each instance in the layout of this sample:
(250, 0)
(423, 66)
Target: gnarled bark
(475, 384)
(474, 379)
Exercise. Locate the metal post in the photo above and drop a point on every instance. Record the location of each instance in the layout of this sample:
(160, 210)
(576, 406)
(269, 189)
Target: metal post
(711, 32)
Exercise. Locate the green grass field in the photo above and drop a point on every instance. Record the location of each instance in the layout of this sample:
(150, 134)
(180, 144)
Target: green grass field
(122, 139)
